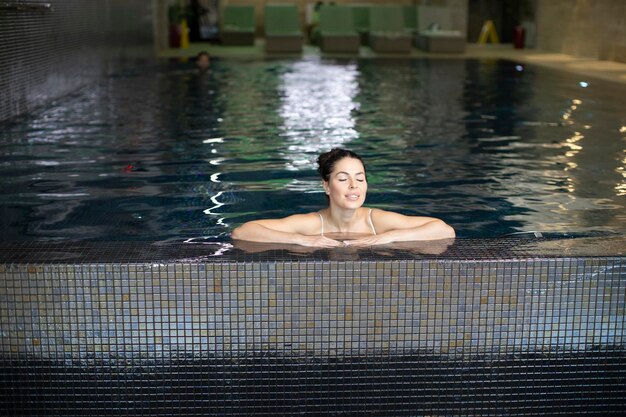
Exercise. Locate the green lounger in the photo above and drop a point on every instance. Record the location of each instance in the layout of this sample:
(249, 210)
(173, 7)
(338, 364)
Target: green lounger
(238, 25)
(361, 19)
(337, 32)
(436, 31)
(282, 28)
(410, 20)
(387, 32)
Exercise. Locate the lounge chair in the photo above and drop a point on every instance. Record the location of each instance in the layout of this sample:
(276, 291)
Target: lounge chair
(282, 28)
(361, 19)
(238, 25)
(387, 33)
(410, 20)
(336, 30)
(435, 31)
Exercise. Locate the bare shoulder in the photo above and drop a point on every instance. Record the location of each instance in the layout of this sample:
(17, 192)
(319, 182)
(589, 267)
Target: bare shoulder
(306, 224)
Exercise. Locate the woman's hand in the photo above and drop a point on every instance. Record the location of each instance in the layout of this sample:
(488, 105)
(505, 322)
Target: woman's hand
(319, 241)
(381, 239)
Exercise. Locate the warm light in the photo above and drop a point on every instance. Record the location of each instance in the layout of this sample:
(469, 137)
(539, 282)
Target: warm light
(622, 129)
(620, 188)
(577, 102)
(573, 147)
(577, 136)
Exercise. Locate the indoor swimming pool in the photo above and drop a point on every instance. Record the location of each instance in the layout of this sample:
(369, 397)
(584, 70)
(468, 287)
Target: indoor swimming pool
(121, 292)
(162, 153)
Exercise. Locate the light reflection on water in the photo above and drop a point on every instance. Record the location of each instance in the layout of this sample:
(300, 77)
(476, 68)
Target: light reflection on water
(164, 153)
(317, 102)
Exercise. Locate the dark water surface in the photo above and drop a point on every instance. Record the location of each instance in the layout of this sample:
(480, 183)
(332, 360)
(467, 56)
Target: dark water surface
(164, 153)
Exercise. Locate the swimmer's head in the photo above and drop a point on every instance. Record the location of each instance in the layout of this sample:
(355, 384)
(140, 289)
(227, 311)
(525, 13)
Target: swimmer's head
(203, 60)
(326, 162)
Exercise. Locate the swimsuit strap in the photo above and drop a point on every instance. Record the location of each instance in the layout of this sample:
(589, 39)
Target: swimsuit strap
(371, 222)
(322, 220)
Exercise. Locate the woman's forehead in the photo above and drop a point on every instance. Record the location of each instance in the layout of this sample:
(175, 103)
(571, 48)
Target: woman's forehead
(349, 165)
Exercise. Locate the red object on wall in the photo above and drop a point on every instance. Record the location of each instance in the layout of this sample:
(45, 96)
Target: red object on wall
(174, 38)
(519, 35)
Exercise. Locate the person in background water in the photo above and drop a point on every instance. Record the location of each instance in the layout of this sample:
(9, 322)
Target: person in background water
(345, 222)
(313, 29)
(203, 61)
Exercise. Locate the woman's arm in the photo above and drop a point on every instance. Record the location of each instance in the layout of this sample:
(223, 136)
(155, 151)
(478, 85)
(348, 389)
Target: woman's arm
(395, 227)
(299, 229)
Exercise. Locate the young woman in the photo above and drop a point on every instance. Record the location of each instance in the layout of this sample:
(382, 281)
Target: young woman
(345, 222)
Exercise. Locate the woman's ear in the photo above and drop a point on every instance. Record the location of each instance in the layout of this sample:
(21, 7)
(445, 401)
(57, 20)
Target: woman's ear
(326, 188)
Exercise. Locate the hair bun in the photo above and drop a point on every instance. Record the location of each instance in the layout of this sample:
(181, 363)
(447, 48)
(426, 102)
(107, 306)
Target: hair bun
(327, 160)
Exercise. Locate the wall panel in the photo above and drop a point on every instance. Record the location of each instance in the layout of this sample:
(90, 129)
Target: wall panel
(47, 54)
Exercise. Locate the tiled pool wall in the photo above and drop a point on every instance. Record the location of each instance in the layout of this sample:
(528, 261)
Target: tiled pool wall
(48, 53)
(402, 337)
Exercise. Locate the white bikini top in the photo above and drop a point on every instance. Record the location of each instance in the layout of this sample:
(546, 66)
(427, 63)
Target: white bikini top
(369, 217)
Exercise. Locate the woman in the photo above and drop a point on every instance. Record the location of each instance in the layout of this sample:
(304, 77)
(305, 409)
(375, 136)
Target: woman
(345, 222)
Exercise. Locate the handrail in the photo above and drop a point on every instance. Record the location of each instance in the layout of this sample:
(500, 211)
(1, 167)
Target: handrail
(28, 6)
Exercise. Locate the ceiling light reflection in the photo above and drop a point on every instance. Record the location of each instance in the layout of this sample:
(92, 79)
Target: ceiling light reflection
(218, 204)
(620, 188)
(317, 106)
(213, 140)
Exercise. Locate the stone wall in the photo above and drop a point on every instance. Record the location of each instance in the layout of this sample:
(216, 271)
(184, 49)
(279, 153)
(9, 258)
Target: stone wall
(585, 28)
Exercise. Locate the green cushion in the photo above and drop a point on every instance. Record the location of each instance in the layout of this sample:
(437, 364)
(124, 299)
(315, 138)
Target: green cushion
(390, 35)
(336, 20)
(361, 17)
(386, 19)
(282, 20)
(238, 18)
(410, 17)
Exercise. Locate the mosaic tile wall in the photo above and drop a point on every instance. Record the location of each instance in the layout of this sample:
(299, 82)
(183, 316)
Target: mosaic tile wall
(331, 308)
(399, 337)
(48, 53)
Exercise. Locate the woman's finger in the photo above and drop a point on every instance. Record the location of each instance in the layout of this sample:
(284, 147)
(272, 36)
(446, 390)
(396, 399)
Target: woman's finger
(359, 242)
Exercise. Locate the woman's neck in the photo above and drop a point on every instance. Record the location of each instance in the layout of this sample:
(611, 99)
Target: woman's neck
(343, 220)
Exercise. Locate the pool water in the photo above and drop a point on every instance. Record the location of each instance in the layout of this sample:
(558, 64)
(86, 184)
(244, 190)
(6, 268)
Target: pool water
(164, 153)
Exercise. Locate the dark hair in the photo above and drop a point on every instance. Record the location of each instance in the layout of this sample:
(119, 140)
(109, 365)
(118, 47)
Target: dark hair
(326, 162)
(203, 53)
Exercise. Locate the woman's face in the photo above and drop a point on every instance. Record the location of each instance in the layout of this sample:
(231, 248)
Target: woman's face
(347, 185)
